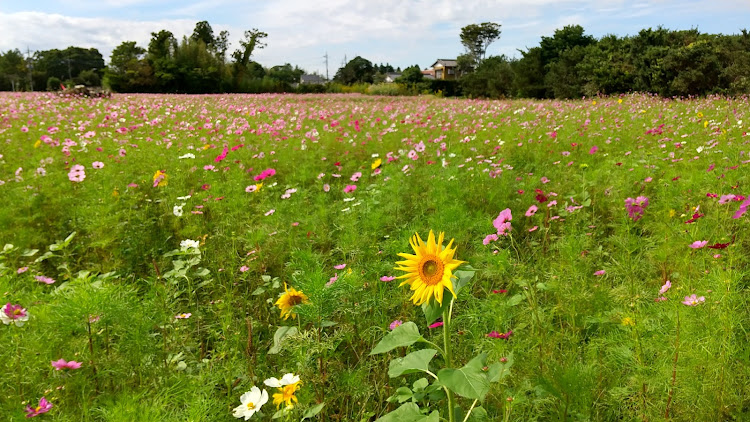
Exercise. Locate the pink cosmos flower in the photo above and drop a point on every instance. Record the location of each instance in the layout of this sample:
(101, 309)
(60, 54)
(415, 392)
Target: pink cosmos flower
(97, 165)
(244, 268)
(387, 278)
(693, 300)
(13, 314)
(62, 364)
(350, 188)
(502, 222)
(332, 280)
(636, 207)
(269, 212)
(326, 187)
(489, 238)
(22, 270)
(533, 229)
(593, 150)
(43, 407)
(667, 285)
(420, 147)
(698, 244)
(340, 266)
(251, 188)
(599, 273)
(545, 180)
(395, 324)
(77, 173)
(531, 211)
(413, 155)
(44, 279)
(184, 315)
(436, 324)
(355, 177)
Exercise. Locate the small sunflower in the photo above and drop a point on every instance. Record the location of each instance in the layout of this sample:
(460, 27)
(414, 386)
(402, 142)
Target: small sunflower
(428, 272)
(289, 300)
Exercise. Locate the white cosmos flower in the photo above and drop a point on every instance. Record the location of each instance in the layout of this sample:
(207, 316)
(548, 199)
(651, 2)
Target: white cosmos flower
(251, 403)
(188, 243)
(287, 379)
(177, 210)
(188, 155)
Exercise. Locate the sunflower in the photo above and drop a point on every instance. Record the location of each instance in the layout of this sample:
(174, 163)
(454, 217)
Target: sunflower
(289, 300)
(430, 270)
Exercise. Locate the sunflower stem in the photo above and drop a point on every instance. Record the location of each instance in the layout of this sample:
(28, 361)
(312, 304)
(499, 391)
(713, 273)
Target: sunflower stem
(448, 355)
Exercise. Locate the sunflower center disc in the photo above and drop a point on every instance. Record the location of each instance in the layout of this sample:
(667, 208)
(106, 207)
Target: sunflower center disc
(430, 268)
(295, 300)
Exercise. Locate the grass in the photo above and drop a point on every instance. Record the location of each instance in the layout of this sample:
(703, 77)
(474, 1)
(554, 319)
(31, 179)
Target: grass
(584, 346)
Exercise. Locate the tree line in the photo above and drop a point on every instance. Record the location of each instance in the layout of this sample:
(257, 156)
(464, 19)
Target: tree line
(568, 64)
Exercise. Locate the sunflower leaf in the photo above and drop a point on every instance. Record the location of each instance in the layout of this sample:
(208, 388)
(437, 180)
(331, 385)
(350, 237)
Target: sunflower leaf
(471, 381)
(409, 412)
(433, 310)
(463, 277)
(405, 334)
(413, 362)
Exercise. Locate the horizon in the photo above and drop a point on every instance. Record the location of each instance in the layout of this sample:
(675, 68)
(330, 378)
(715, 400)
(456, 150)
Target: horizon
(301, 34)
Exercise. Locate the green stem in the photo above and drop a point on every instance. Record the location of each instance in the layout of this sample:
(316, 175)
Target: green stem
(470, 409)
(448, 355)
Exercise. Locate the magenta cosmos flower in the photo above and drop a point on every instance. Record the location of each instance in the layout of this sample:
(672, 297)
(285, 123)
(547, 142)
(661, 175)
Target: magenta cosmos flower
(43, 407)
(699, 244)
(61, 364)
(502, 222)
(44, 279)
(636, 207)
(395, 324)
(531, 211)
(13, 314)
(350, 188)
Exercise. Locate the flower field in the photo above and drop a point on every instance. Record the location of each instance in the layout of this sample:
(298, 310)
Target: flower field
(355, 258)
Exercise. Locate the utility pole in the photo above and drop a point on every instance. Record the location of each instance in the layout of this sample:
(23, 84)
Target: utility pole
(326, 57)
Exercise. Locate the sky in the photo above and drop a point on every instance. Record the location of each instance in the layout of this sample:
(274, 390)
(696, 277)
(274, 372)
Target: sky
(302, 32)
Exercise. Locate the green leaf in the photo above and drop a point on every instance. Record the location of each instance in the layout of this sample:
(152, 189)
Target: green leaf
(409, 413)
(478, 414)
(433, 310)
(471, 381)
(515, 300)
(278, 338)
(311, 412)
(500, 370)
(29, 252)
(258, 291)
(402, 394)
(463, 277)
(405, 334)
(411, 363)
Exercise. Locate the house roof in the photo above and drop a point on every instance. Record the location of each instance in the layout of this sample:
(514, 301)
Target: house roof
(445, 63)
(311, 79)
(393, 75)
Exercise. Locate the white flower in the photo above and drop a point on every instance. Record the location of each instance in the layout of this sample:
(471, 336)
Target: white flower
(251, 403)
(184, 198)
(188, 244)
(188, 155)
(177, 210)
(287, 379)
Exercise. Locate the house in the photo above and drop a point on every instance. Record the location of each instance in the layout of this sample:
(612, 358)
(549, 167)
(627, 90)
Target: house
(429, 73)
(392, 76)
(445, 69)
(311, 80)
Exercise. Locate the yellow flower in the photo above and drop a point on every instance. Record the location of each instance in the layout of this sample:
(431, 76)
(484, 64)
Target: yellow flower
(286, 395)
(429, 271)
(37, 143)
(375, 164)
(627, 321)
(160, 178)
(705, 124)
(619, 101)
(700, 115)
(593, 102)
(257, 187)
(672, 213)
(115, 193)
(207, 146)
(289, 300)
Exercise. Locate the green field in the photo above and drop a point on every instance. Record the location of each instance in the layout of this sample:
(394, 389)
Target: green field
(158, 264)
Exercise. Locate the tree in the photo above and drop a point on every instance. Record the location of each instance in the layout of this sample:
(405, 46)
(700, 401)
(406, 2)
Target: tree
(477, 38)
(253, 39)
(493, 78)
(411, 75)
(12, 69)
(357, 70)
(204, 32)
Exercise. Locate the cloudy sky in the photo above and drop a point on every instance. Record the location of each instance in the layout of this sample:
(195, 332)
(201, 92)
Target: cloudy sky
(301, 32)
